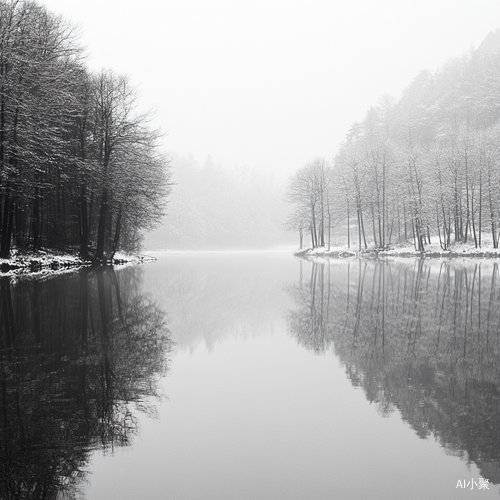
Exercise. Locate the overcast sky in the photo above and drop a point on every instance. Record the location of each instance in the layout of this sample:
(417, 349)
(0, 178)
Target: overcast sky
(271, 83)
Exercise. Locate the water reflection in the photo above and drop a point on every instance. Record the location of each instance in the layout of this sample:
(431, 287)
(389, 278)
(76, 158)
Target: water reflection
(211, 297)
(79, 355)
(419, 337)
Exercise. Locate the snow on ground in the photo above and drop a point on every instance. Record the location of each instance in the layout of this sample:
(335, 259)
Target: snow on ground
(433, 250)
(45, 263)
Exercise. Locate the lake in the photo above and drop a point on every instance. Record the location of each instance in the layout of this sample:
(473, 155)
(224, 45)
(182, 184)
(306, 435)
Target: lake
(252, 375)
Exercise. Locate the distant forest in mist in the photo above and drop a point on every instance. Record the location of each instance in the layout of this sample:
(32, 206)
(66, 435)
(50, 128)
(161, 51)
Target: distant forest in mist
(425, 164)
(214, 206)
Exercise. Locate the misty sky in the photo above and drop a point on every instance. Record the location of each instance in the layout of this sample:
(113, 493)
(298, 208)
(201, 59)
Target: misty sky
(271, 83)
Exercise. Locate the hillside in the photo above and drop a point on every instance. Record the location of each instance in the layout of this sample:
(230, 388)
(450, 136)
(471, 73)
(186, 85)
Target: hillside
(426, 164)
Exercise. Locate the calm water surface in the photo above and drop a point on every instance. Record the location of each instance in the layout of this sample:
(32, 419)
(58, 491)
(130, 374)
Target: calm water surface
(252, 376)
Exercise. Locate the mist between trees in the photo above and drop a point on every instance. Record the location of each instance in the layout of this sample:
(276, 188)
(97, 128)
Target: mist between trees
(214, 206)
(425, 165)
(80, 168)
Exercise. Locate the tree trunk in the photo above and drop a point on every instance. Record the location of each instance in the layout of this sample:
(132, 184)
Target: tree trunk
(348, 227)
(84, 224)
(36, 219)
(101, 229)
(116, 239)
(6, 227)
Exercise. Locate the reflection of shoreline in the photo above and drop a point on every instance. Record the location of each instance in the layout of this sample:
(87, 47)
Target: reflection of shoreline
(77, 351)
(420, 337)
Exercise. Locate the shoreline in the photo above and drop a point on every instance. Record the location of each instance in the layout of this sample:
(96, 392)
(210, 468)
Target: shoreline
(46, 263)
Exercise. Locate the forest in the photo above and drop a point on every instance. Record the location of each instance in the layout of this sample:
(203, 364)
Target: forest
(80, 166)
(426, 164)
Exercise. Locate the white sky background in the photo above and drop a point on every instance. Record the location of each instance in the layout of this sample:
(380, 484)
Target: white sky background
(271, 83)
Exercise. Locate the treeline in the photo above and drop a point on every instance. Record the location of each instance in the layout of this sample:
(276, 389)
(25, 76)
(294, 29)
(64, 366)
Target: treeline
(218, 207)
(79, 166)
(425, 165)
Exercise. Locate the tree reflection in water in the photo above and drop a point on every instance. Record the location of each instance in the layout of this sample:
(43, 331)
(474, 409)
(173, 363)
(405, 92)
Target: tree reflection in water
(420, 337)
(79, 354)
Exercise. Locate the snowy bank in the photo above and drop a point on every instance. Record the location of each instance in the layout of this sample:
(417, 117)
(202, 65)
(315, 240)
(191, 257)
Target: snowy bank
(48, 262)
(432, 250)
